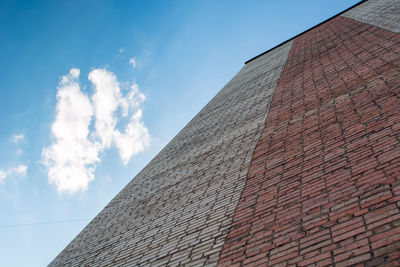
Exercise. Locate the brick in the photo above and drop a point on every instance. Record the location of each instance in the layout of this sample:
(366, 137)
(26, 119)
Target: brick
(317, 258)
(354, 260)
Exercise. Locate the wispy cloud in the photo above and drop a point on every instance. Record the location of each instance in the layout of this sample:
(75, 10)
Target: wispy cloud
(20, 171)
(120, 51)
(132, 62)
(71, 159)
(16, 138)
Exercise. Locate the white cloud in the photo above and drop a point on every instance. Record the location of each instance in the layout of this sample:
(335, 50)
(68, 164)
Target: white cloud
(134, 139)
(20, 171)
(132, 100)
(75, 72)
(17, 138)
(106, 100)
(71, 159)
(132, 62)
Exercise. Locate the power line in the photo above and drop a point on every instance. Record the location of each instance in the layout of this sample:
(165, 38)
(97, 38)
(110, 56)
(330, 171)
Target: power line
(40, 223)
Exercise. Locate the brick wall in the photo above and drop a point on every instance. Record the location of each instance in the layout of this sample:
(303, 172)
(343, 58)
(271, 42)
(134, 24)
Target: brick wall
(295, 162)
(324, 181)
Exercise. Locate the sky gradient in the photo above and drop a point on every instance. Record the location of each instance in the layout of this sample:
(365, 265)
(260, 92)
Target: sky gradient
(165, 60)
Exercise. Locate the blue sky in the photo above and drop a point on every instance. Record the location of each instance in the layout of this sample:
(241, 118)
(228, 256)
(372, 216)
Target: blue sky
(145, 66)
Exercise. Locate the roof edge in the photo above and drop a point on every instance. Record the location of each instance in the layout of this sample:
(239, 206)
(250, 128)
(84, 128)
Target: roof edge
(294, 37)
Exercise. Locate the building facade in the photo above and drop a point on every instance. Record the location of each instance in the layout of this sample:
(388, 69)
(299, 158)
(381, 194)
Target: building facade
(295, 162)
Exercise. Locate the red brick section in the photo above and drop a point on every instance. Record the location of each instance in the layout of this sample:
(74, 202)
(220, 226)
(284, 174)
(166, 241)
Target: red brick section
(324, 183)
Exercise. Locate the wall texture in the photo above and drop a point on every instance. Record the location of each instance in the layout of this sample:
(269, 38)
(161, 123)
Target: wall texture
(324, 180)
(295, 162)
(380, 13)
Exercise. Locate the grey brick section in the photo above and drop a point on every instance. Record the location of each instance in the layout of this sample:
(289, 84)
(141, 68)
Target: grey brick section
(178, 209)
(380, 13)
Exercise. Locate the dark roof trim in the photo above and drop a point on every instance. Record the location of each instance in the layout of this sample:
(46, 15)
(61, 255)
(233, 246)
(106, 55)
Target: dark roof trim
(353, 6)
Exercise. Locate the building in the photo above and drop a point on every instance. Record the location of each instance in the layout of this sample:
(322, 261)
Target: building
(296, 161)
